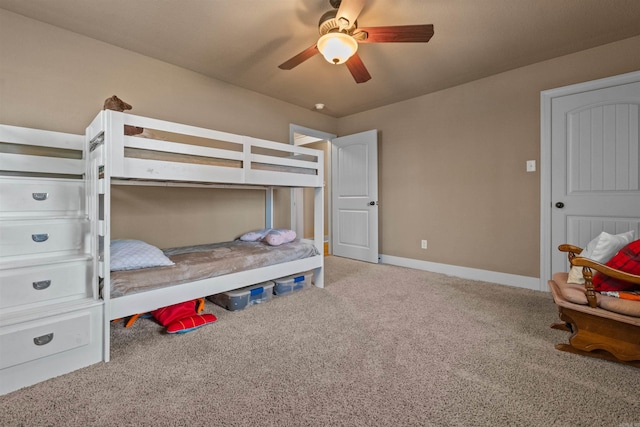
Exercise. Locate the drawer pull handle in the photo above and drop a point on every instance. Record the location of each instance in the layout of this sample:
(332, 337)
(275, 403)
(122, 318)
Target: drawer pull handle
(39, 238)
(43, 340)
(43, 284)
(40, 196)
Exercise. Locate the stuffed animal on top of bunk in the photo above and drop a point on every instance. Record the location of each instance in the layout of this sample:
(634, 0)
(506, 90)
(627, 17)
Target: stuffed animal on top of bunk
(116, 104)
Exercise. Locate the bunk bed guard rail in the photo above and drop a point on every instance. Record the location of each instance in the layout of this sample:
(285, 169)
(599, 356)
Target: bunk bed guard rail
(170, 151)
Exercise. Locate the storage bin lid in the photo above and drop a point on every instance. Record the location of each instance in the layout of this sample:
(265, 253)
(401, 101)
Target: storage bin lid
(295, 278)
(253, 289)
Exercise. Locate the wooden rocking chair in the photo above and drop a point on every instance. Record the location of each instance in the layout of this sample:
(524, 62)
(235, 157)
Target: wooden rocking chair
(601, 326)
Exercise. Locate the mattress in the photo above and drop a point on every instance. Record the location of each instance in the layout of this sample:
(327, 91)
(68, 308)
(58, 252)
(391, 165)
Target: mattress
(205, 261)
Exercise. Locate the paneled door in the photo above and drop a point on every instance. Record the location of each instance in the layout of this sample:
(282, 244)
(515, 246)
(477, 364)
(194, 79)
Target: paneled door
(595, 184)
(355, 196)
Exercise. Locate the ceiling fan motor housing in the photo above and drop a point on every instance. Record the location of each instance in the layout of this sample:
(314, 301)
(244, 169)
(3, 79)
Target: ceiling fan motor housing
(328, 22)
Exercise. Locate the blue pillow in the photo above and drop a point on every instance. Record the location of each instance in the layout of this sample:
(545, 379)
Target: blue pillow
(135, 254)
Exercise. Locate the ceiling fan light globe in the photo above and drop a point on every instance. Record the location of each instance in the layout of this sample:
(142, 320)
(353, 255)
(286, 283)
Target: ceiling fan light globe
(337, 48)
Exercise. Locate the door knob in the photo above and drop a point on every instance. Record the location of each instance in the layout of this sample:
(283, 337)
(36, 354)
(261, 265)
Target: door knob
(559, 205)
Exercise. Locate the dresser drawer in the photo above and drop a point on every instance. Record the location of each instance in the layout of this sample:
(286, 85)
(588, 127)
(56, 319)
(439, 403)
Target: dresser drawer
(41, 196)
(41, 236)
(55, 282)
(48, 336)
(32, 363)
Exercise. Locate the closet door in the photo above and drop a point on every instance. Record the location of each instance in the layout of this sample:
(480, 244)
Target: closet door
(595, 185)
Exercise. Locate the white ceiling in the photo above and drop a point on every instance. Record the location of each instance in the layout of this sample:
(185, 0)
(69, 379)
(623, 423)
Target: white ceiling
(242, 42)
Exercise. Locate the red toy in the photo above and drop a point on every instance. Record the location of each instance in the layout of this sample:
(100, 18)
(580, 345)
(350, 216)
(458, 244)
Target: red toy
(178, 318)
(183, 317)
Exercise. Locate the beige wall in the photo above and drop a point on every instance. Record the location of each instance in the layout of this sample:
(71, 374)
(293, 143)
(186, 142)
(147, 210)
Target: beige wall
(452, 163)
(54, 79)
(143, 213)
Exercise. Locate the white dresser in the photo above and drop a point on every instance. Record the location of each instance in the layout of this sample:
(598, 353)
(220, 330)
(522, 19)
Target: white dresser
(50, 315)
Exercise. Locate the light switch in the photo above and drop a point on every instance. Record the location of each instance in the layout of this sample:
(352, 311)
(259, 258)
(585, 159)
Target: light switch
(531, 165)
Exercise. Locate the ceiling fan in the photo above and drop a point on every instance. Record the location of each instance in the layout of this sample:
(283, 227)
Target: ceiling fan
(340, 35)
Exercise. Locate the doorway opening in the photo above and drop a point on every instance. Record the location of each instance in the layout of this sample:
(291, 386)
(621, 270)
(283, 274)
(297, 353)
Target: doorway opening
(302, 198)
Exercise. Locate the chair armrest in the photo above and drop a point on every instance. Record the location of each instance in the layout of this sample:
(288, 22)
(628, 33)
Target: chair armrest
(612, 272)
(570, 248)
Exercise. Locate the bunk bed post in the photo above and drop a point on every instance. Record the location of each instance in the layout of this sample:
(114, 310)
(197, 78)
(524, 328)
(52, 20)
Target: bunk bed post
(318, 221)
(104, 184)
(268, 208)
(99, 186)
(90, 210)
(92, 201)
(318, 233)
(114, 140)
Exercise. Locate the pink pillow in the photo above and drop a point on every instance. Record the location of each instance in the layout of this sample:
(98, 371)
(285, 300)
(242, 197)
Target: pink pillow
(277, 237)
(254, 236)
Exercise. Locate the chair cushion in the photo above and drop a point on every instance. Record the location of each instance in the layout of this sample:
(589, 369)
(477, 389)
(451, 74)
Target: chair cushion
(572, 292)
(618, 305)
(575, 294)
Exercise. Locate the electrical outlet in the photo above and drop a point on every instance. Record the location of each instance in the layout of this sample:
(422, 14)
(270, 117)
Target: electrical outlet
(531, 165)
(424, 244)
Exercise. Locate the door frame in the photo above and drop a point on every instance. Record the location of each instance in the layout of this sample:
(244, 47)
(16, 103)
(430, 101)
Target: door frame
(297, 214)
(546, 98)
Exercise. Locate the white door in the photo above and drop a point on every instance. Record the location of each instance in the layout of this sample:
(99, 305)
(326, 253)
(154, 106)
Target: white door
(354, 175)
(594, 166)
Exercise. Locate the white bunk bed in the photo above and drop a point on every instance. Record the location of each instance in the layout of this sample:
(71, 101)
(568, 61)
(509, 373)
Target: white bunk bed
(226, 160)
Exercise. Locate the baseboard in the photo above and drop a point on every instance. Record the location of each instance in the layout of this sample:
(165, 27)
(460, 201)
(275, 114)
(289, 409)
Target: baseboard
(526, 282)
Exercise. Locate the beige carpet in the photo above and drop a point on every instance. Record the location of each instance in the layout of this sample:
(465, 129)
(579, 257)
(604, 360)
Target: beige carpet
(379, 346)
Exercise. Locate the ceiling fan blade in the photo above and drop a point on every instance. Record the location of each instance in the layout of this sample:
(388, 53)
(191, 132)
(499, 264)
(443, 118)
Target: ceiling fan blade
(397, 34)
(349, 10)
(357, 69)
(299, 58)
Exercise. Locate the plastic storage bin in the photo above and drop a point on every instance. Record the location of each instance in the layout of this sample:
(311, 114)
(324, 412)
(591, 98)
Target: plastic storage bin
(241, 298)
(289, 284)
